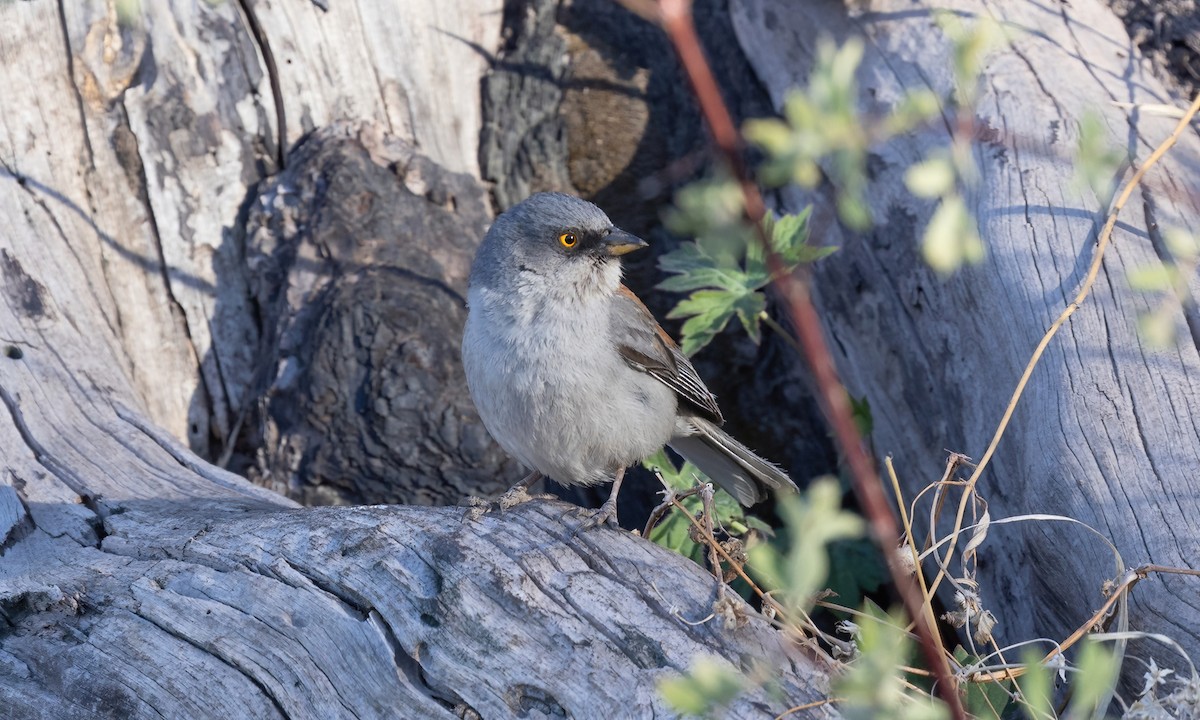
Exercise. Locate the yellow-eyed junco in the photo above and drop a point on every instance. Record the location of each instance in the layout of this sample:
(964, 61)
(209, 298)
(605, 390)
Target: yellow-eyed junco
(570, 372)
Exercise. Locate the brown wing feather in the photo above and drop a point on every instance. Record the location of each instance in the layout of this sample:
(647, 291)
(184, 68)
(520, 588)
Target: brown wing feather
(648, 348)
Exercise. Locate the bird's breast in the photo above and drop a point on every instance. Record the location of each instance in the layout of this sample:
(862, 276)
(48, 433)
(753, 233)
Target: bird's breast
(553, 391)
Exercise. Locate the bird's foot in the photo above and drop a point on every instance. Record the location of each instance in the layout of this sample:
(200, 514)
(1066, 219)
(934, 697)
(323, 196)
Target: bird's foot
(606, 515)
(475, 508)
(518, 494)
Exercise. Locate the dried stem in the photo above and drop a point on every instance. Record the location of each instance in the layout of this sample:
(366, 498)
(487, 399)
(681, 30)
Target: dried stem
(676, 20)
(669, 494)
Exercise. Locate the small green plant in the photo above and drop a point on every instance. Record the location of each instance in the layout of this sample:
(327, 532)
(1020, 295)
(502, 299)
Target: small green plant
(1092, 680)
(813, 521)
(675, 531)
(872, 686)
(724, 268)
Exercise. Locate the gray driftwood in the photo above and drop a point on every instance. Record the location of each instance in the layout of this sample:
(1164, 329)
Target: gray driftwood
(1107, 431)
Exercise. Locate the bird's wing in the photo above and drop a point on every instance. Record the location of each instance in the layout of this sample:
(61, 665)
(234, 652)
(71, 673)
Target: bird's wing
(645, 346)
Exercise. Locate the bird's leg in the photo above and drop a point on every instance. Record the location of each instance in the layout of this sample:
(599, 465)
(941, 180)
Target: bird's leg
(608, 511)
(519, 493)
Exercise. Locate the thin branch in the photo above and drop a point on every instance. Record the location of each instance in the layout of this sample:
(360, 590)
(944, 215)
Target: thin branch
(677, 22)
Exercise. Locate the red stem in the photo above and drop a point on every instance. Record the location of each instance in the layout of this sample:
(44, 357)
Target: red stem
(676, 18)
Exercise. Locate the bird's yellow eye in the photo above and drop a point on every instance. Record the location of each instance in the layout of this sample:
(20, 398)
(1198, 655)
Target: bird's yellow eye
(568, 240)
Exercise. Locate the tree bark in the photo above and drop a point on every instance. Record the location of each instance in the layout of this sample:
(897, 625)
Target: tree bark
(1106, 432)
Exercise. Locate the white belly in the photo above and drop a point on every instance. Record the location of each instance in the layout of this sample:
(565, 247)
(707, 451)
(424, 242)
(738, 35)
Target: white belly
(571, 409)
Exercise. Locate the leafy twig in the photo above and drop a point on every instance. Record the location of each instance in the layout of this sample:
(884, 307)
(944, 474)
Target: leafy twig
(676, 20)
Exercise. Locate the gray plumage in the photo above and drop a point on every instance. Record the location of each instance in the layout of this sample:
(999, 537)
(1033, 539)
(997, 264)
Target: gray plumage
(569, 371)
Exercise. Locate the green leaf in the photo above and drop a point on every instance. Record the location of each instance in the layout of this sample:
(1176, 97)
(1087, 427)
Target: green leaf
(1181, 243)
(770, 134)
(1154, 278)
(688, 256)
(813, 519)
(872, 686)
(1097, 158)
(984, 700)
(672, 532)
(853, 211)
(930, 179)
(915, 108)
(951, 237)
(702, 302)
(1036, 685)
(855, 569)
(708, 312)
(1093, 686)
(709, 684)
(1157, 329)
(731, 280)
(748, 308)
(860, 409)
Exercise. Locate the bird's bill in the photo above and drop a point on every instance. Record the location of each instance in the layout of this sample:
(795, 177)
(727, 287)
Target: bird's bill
(620, 242)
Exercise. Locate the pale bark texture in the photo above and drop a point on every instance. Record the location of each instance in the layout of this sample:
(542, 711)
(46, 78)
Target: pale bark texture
(1107, 432)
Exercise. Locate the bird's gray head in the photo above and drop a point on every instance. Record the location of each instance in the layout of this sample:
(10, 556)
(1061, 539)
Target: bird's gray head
(552, 236)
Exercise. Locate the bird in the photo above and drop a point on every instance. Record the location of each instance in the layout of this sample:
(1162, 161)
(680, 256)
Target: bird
(570, 372)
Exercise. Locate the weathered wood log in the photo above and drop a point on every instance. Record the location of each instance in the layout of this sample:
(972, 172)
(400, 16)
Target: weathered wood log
(1107, 431)
(226, 608)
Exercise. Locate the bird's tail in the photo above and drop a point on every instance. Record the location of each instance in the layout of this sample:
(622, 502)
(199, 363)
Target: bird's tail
(731, 464)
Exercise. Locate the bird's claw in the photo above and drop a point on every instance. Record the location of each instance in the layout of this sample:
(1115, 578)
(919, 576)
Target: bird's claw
(606, 515)
(514, 496)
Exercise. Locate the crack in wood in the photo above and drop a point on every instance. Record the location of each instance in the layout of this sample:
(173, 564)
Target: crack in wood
(264, 47)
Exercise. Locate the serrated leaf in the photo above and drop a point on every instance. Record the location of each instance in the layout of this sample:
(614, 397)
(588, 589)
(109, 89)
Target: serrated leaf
(790, 233)
(688, 256)
(700, 278)
(748, 307)
(708, 312)
(701, 302)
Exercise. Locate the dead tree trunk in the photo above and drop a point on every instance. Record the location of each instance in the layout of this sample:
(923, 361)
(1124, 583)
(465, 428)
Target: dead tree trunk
(1107, 432)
